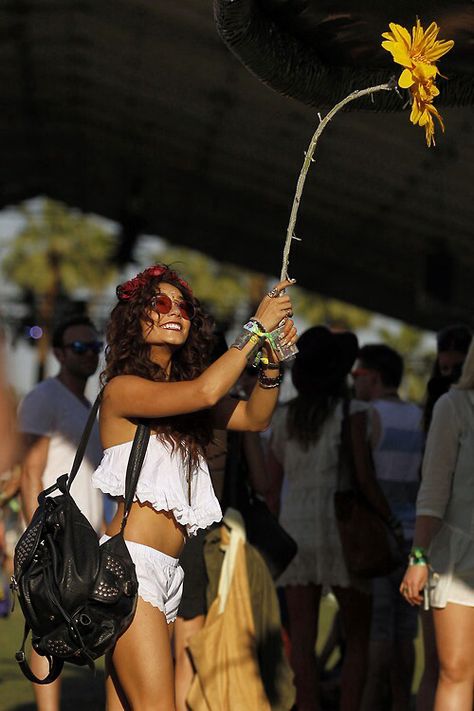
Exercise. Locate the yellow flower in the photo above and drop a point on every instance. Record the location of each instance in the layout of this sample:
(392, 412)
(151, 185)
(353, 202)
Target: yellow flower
(417, 53)
(422, 113)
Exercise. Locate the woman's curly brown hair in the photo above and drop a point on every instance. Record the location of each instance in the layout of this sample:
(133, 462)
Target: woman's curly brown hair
(127, 353)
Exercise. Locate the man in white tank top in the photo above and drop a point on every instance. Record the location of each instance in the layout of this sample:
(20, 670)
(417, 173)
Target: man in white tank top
(397, 445)
(51, 419)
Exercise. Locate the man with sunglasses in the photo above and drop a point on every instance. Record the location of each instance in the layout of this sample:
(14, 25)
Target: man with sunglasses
(51, 419)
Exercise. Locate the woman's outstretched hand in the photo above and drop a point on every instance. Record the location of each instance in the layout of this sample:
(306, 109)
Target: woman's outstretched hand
(275, 307)
(414, 580)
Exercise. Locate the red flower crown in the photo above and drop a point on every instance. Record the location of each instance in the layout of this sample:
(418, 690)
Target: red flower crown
(131, 288)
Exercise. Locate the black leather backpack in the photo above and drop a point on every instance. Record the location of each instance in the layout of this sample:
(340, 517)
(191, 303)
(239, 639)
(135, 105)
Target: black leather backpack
(77, 597)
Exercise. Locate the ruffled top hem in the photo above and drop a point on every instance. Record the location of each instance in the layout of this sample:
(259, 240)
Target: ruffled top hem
(161, 485)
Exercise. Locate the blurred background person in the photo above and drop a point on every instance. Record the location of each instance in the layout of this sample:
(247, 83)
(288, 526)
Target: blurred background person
(9, 482)
(8, 428)
(305, 446)
(452, 345)
(444, 540)
(51, 420)
(396, 441)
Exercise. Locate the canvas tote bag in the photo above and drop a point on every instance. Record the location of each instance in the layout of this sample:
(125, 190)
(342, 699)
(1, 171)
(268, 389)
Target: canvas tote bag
(223, 653)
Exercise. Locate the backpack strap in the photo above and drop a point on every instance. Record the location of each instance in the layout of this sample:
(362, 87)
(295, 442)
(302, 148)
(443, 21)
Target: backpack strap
(135, 462)
(84, 440)
(55, 665)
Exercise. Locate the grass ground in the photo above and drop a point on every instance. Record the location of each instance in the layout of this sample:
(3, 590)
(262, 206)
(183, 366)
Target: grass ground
(81, 688)
(328, 608)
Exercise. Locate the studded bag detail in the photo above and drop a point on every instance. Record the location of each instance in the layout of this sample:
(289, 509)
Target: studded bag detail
(77, 597)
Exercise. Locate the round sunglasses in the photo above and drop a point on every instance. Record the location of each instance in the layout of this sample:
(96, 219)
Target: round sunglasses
(81, 347)
(162, 304)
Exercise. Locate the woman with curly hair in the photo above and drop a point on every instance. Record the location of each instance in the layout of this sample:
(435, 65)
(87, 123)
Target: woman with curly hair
(159, 340)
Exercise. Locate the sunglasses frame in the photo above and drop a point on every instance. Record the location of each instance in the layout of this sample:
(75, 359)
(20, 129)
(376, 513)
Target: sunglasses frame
(187, 314)
(82, 347)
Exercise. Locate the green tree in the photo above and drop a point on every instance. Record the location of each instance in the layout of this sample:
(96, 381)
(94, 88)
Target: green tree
(57, 251)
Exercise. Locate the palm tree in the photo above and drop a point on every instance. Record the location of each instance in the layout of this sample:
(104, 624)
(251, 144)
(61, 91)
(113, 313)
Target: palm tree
(56, 252)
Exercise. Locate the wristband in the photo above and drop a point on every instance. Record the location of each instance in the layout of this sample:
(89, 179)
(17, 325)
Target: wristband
(266, 365)
(253, 332)
(417, 556)
(250, 333)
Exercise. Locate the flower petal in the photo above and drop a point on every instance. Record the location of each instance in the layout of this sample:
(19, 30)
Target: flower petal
(434, 111)
(406, 79)
(399, 52)
(429, 134)
(437, 51)
(400, 33)
(424, 72)
(416, 113)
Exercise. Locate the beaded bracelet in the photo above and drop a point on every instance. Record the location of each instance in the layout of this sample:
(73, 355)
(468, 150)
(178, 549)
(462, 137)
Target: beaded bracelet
(268, 383)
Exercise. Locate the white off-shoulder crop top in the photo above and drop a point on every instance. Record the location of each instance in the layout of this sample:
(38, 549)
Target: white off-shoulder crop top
(163, 483)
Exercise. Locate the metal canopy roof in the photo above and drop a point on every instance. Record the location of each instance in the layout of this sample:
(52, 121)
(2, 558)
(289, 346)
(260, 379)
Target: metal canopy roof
(137, 110)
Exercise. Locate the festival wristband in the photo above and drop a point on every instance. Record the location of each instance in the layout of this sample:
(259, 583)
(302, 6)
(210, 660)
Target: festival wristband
(253, 332)
(417, 556)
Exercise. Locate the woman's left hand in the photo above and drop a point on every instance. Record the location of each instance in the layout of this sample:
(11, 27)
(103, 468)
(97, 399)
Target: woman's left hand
(414, 580)
(275, 306)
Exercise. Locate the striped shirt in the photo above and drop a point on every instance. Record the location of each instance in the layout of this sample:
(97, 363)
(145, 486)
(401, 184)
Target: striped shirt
(397, 458)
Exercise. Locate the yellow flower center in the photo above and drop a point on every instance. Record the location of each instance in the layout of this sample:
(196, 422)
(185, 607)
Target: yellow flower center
(421, 58)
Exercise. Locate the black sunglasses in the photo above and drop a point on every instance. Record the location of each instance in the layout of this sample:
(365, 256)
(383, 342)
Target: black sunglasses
(81, 347)
(162, 304)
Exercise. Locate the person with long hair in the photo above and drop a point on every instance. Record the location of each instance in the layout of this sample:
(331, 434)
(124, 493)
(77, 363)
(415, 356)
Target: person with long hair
(158, 344)
(452, 345)
(441, 563)
(306, 448)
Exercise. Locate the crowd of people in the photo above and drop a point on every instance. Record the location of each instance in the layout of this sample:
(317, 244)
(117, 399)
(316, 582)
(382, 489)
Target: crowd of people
(207, 406)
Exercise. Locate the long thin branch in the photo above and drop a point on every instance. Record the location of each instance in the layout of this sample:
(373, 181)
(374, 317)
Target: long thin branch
(290, 233)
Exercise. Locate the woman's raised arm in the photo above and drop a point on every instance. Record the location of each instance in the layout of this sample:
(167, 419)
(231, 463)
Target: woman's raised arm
(131, 396)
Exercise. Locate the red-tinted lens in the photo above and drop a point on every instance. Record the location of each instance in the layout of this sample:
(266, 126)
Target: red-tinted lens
(163, 305)
(187, 310)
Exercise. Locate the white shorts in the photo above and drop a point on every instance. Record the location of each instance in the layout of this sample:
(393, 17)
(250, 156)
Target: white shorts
(160, 577)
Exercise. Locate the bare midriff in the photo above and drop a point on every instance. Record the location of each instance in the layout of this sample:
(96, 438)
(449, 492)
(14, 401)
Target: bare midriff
(157, 529)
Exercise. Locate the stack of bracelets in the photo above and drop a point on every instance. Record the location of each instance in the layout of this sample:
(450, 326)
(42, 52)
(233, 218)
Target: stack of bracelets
(417, 556)
(253, 332)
